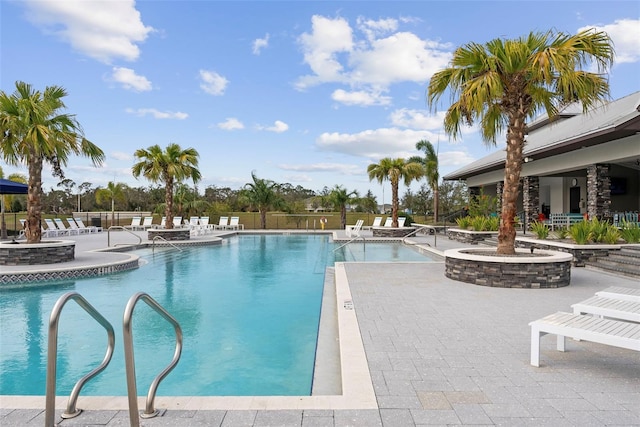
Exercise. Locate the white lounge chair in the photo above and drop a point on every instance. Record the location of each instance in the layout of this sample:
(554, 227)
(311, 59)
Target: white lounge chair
(354, 230)
(136, 223)
(63, 228)
(91, 228)
(74, 226)
(52, 230)
(388, 222)
(177, 221)
(204, 224)
(147, 222)
(401, 221)
(222, 223)
(234, 224)
(377, 221)
(163, 222)
(195, 229)
(43, 231)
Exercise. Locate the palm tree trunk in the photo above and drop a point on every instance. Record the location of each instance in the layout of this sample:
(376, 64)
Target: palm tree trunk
(34, 202)
(168, 198)
(435, 205)
(394, 203)
(512, 169)
(263, 218)
(113, 210)
(343, 217)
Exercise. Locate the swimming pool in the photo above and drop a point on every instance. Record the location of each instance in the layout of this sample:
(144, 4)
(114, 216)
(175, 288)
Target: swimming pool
(249, 310)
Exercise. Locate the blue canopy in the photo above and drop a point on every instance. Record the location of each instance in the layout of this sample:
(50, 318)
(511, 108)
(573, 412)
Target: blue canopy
(12, 187)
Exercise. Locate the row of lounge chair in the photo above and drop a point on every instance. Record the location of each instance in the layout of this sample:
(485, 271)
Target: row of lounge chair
(354, 230)
(56, 227)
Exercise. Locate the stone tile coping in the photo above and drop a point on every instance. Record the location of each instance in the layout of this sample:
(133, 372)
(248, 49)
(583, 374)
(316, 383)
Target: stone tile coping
(550, 256)
(565, 244)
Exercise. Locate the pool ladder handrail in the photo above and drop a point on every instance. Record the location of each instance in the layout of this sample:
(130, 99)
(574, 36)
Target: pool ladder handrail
(129, 358)
(153, 243)
(119, 227)
(364, 243)
(421, 227)
(52, 357)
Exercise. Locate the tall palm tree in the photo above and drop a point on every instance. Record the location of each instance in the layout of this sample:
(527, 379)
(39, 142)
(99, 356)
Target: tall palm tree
(339, 197)
(263, 195)
(113, 192)
(503, 83)
(394, 170)
(34, 131)
(430, 164)
(168, 167)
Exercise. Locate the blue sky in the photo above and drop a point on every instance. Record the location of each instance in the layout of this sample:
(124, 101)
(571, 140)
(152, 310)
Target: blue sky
(304, 92)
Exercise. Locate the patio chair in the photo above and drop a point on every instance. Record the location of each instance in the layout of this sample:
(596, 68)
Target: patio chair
(401, 221)
(234, 224)
(204, 224)
(90, 229)
(52, 230)
(63, 228)
(74, 226)
(136, 222)
(388, 222)
(177, 221)
(354, 230)
(147, 222)
(222, 223)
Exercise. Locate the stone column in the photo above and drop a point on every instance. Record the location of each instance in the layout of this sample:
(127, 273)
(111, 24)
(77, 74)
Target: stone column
(598, 191)
(499, 186)
(531, 198)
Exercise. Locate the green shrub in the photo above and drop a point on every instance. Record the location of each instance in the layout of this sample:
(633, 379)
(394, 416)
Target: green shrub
(630, 232)
(464, 223)
(599, 230)
(493, 223)
(580, 232)
(480, 223)
(612, 236)
(561, 232)
(540, 229)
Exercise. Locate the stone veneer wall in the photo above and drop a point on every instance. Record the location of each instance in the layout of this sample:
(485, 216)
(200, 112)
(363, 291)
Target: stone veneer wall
(392, 232)
(36, 253)
(469, 237)
(531, 198)
(173, 234)
(598, 191)
(580, 254)
(509, 275)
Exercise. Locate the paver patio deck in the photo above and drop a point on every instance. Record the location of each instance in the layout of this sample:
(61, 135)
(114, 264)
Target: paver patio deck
(441, 352)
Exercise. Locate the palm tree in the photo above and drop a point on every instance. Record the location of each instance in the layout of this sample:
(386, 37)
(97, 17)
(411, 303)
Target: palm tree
(168, 167)
(394, 170)
(505, 82)
(34, 131)
(430, 164)
(263, 195)
(113, 192)
(339, 197)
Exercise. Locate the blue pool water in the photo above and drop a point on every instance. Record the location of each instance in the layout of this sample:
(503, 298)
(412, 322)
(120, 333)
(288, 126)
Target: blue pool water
(249, 310)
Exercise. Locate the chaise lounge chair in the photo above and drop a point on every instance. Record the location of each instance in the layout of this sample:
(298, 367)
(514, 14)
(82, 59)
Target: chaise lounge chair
(63, 228)
(354, 230)
(91, 228)
(222, 223)
(136, 223)
(234, 224)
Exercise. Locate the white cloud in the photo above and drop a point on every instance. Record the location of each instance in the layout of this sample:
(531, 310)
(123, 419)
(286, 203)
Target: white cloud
(297, 178)
(278, 127)
(368, 64)
(119, 155)
(374, 144)
(625, 34)
(259, 44)
(103, 30)
(156, 114)
(417, 119)
(231, 123)
(454, 158)
(213, 83)
(339, 168)
(360, 97)
(130, 80)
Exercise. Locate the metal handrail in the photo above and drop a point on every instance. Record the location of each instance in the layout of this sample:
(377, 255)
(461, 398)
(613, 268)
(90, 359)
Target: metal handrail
(130, 360)
(421, 227)
(364, 243)
(153, 243)
(52, 357)
(119, 227)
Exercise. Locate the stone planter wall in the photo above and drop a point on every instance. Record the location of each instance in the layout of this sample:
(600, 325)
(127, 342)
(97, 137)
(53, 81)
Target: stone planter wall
(391, 232)
(469, 237)
(173, 234)
(581, 253)
(551, 271)
(50, 252)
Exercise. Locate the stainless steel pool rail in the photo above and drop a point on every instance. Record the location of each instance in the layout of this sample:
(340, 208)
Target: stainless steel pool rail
(364, 243)
(153, 243)
(119, 227)
(130, 360)
(422, 227)
(52, 357)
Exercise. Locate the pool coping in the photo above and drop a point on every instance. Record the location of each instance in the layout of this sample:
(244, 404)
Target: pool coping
(357, 386)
